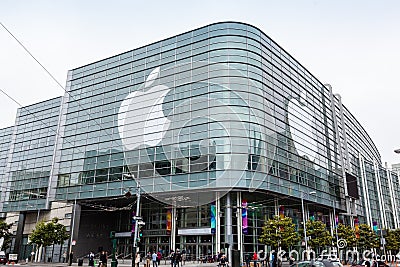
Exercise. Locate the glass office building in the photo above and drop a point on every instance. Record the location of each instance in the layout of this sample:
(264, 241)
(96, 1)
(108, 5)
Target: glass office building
(209, 122)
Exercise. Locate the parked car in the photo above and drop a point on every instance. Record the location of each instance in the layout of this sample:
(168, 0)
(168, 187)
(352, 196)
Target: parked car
(382, 264)
(362, 263)
(3, 259)
(331, 257)
(301, 264)
(370, 263)
(316, 263)
(336, 263)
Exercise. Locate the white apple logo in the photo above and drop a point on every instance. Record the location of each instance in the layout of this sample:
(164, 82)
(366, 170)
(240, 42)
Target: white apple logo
(141, 120)
(301, 125)
(142, 123)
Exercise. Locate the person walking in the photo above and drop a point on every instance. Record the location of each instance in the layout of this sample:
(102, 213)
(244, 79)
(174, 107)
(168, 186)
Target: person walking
(148, 259)
(223, 261)
(70, 258)
(178, 257)
(137, 259)
(247, 260)
(271, 259)
(154, 259)
(183, 257)
(91, 259)
(103, 259)
(64, 256)
(275, 259)
(159, 256)
(255, 259)
(172, 258)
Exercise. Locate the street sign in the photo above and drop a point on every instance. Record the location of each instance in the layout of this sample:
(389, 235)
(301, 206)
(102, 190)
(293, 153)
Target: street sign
(141, 223)
(137, 218)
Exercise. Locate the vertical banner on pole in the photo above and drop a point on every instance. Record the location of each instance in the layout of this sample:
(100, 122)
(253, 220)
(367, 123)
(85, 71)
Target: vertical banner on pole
(244, 217)
(213, 220)
(356, 228)
(312, 218)
(375, 226)
(336, 220)
(169, 221)
(281, 212)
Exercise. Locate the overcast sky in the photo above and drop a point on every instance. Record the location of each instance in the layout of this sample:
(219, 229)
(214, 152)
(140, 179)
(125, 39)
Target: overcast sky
(353, 45)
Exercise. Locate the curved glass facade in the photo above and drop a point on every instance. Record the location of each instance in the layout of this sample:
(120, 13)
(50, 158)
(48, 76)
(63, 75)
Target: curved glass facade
(221, 113)
(237, 111)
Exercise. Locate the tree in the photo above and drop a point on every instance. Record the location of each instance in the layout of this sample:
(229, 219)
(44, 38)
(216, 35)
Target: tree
(347, 233)
(47, 234)
(279, 232)
(6, 234)
(393, 240)
(367, 237)
(318, 235)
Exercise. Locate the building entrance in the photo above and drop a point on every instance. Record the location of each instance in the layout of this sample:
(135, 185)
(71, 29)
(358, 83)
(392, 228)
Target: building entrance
(198, 248)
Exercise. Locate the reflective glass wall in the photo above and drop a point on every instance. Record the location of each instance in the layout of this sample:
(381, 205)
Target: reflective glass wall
(5, 143)
(30, 157)
(220, 106)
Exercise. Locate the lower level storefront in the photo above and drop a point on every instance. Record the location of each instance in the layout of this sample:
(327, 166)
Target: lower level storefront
(200, 232)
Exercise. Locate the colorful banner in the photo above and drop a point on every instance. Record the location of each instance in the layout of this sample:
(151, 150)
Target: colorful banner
(213, 221)
(375, 226)
(296, 222)
(244, 217)
(133, 222)
(312, 218)
(356, 227)
(336, 220)
(281, 212)
(169, 221)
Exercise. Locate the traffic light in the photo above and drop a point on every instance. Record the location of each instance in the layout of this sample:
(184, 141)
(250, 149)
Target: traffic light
(112, 234)
(140, 233)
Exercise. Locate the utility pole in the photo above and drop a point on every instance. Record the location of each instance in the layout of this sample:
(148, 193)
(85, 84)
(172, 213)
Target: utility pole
(336, 226)
(304, 220)
(136, 215)
(72, 235)
(136, 218)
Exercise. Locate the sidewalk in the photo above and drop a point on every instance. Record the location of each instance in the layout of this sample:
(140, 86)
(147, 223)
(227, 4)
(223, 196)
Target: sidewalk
(121, 263)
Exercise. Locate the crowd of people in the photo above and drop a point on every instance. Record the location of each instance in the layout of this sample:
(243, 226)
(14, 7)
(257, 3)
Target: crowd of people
(176, 259)
(151, 258)
(260, 260)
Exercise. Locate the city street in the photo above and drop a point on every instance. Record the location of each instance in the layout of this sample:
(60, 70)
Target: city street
(125, 263)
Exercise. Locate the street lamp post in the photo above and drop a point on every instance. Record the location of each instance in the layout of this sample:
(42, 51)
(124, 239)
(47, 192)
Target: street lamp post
(135, 234)
(334, 218)
(304, 219)
(32, 255)
(69, 256)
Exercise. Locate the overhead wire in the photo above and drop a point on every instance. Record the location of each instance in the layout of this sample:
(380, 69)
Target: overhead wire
(58, 83)
(36, 117)
(52, 76)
